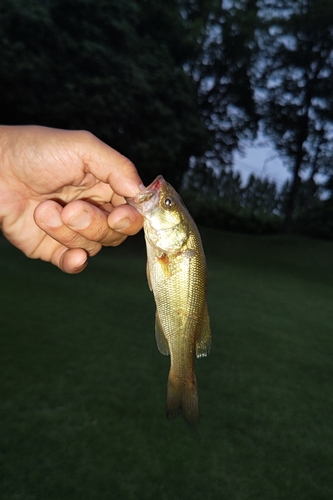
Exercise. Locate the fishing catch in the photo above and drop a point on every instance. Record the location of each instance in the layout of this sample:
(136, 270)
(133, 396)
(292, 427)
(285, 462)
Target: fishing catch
(177, 276)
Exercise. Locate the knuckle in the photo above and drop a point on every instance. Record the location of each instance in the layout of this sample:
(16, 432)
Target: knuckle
(116, 242)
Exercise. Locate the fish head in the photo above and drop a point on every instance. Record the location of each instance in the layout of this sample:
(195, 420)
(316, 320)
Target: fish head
(165, 216)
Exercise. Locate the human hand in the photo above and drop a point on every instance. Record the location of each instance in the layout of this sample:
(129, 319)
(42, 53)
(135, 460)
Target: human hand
(62, 194)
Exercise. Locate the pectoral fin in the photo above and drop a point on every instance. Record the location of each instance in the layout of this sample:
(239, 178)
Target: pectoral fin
(148, 277)
(204, 339)
(161, 341)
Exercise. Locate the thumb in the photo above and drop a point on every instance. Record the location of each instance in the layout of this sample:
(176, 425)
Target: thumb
(108, 165)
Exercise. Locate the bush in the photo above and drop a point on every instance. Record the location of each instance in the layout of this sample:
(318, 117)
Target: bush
(220, 214)
(317, 222)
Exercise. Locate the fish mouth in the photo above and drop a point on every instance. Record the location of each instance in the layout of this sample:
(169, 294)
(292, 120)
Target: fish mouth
(140, 198)
(157, 183)
(148, 197)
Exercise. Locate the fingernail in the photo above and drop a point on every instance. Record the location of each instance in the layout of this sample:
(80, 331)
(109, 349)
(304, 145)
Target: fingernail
(81, 220)
(80, 268)
(52, 218)
(121, 224)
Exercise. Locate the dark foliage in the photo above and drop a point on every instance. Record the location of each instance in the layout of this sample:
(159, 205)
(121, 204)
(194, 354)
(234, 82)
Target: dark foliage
(221, 214)
(115, 68)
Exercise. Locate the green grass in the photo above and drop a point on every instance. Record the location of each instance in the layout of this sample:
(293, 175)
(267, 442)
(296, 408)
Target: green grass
(83, 387)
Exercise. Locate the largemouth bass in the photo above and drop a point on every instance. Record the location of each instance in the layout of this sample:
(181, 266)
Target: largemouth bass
(177, 276)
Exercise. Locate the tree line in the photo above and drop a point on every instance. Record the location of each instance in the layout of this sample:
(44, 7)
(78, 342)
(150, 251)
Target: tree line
(257, 205)
(179, 85)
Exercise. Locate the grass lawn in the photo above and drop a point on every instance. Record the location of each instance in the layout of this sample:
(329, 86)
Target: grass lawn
(83, 386)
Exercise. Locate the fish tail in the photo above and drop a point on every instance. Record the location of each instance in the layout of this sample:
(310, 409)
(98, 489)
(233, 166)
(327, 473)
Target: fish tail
(182, 398)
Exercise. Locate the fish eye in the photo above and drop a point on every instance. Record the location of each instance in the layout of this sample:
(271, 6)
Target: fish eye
(168, 202)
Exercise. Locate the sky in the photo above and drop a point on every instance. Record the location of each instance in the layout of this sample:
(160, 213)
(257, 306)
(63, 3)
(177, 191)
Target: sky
(262, 160)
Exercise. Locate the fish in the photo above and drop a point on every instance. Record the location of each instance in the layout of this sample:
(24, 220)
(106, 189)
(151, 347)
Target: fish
(177, 276)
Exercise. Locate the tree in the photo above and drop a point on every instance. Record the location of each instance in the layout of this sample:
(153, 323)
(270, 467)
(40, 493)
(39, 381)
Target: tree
(223, 70)
(296, 95)
(113, 67)
(260, 195)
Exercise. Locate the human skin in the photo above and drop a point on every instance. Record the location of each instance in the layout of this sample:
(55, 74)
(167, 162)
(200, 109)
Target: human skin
(62, 194)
